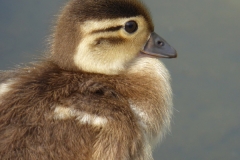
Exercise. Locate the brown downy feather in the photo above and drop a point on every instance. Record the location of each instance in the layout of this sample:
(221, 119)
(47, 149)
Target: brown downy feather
(28, 129)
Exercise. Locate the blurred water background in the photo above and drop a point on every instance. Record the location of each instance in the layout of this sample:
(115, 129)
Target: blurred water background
(205, 76)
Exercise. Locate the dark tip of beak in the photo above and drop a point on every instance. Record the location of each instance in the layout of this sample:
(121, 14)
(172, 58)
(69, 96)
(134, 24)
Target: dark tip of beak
(158, 47)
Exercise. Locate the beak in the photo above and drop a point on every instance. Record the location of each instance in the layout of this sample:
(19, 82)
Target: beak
(156, 46)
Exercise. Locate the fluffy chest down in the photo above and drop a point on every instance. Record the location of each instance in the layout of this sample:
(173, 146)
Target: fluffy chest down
(81, 116)
(153, 102)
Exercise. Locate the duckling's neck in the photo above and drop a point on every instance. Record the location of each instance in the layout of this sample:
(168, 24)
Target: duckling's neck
(155, 108)
(147, 66)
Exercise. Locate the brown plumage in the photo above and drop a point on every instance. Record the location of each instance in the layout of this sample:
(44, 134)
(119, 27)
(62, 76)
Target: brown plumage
(66, 108)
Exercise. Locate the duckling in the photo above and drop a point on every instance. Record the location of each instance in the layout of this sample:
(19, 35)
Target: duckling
(101, 93)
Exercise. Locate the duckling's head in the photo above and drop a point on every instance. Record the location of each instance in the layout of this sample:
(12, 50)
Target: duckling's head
(105, 36)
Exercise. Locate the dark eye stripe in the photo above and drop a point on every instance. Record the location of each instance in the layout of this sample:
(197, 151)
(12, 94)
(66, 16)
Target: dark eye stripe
(110, 29)
(112, 40)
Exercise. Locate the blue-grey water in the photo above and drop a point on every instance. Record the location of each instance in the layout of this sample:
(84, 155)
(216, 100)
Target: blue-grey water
(205, 76)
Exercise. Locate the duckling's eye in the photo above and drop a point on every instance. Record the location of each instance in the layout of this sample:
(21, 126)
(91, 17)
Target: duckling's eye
(131, 26)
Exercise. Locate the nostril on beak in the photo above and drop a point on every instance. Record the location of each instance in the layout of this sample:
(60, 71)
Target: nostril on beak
(158, 47)
(160, 43)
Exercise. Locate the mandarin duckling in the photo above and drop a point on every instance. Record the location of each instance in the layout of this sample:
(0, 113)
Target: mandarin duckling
(101, 94)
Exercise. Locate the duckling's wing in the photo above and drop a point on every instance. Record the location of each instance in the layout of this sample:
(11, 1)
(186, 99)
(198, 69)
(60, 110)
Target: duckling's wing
(65, 115)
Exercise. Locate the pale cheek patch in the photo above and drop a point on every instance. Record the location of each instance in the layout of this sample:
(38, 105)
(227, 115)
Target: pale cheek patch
(109, 52)
(63, 113)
